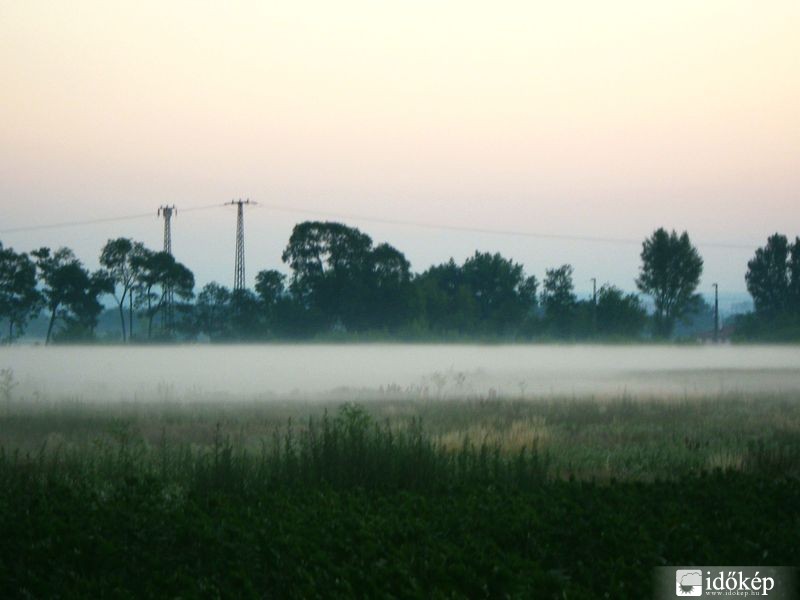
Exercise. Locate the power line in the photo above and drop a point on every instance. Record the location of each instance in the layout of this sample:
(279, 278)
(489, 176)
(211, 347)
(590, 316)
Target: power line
(467, 229)
(396, 222)
(95, 221)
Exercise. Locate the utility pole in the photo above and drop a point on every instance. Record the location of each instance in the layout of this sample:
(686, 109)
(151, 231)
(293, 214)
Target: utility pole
(594, 305)
(238, 276)
(166, 211)
(716, 312)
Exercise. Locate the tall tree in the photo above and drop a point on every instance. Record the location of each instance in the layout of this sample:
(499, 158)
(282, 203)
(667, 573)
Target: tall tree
(500, 290)
(773, 277)
(246, 316)
(70, 291)
(794, 277)
(118, 258)
(487, 294)
(158, 273)
(19, 298)
(212, 310)
(330, 264)
(670, 273)
(619, 314)
(767, 277)
(86, 310)
(389, 287)
(447, 303)
(528, 292)
(270, 286)
(558, 299)
(271, 292)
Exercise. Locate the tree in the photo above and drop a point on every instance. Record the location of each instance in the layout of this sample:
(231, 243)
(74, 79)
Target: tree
(158, 274)
(558, 299)
(212, 310)
(245, 314)
(271, 292)
(118, 258)
(70, 292)
(528, 292)
(270, 286)
(330, 265)
(794, 277)
(487, 294)
(19, 298)
(619, 314)
(768, 277)
(447, 303)
(500, 290)
(670, 273)
(86, 309)
(389, 291)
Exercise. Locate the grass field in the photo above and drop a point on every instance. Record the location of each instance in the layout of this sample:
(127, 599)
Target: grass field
(558, 497)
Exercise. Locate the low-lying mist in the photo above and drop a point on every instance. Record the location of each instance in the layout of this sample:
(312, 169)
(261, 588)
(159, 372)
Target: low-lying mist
(153, 373)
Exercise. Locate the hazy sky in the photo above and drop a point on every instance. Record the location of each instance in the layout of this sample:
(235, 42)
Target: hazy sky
(601, 119)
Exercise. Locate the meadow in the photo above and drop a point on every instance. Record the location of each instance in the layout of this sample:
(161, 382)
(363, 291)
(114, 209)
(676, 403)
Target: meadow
(552, 497)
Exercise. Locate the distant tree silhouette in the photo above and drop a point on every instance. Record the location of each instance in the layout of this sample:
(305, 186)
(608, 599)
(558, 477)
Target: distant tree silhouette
(70, 292)
(158, 273)
(246, 313)
(19, 299)
(501, 291)
(212, 310)
(773, 280)
(769, 277)
(794, 277)
(619, 314)
(559, 300)
(118, 259)
(388, 288)
(340, 282)
(670, 273)
(447, 304)
(271, 291)
(330, 264)
(270, 286)
(528, 291)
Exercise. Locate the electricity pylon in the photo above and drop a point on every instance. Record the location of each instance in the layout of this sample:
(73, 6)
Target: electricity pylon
(238, 275)
(166, 211)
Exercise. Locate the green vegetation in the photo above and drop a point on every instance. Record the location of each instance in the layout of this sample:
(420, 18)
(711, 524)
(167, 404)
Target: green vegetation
(670, 273)
(340, 283)
(773, 280)
(572, 498)
(343, 286)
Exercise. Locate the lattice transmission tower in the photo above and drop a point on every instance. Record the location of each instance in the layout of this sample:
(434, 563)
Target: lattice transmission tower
(238, 275)
(168, 316)
(167, 211)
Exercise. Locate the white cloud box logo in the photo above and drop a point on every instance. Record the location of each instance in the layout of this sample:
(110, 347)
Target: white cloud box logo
(688, 583)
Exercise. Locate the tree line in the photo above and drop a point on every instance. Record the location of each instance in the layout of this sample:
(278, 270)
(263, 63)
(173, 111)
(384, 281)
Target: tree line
(773, 280)
(341, 282)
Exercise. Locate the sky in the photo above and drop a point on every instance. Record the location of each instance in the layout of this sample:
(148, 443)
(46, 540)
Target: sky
(585, 119)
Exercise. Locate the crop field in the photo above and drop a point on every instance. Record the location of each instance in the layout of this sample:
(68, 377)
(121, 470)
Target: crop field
(559, 497)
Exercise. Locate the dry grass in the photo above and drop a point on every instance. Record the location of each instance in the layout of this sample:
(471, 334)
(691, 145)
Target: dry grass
(584, 437)
(530, 433)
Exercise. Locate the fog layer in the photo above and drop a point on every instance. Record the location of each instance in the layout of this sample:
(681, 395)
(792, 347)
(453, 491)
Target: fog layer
(434, 371)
